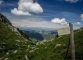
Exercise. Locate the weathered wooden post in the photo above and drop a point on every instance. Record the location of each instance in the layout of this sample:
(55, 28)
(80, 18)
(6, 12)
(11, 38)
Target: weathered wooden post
(69, 30)
(72, 41)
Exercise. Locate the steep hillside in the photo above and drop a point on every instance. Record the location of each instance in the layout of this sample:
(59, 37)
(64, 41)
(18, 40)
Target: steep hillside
(13, 46)
(33, 35)
(4, 20)
(48, 35)
(56, 49)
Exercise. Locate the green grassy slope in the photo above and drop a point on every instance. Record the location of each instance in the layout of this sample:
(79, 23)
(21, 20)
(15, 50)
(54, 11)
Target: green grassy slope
(12, 46)
(56, 49)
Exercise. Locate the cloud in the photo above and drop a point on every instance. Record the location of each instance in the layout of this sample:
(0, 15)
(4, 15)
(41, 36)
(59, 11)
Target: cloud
(59, 21)
(71, 1)
(1, 1)
(19, 12)
(81, 17)
(78, 23)
(34, 22)
(26, 7)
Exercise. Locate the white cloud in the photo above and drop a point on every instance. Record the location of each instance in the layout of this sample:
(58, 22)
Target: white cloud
(72, 1)
(59, 21)
(81, 17)
(33, 22)
(78, 23)
(19, 12)
(1, 1)
(26, 7)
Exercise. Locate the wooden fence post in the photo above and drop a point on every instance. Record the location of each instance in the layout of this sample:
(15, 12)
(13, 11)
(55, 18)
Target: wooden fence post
(72, 41)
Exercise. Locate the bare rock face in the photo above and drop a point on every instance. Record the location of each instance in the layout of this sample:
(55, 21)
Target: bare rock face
(4, 20)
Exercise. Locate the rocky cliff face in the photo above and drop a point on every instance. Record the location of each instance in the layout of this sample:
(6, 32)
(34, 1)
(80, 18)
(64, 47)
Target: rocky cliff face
(4, 20)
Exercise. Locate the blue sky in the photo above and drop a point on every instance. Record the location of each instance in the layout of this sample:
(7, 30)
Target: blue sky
(43, 14)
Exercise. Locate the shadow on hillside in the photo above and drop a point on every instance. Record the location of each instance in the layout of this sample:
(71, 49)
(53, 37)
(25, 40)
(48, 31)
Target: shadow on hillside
(34, 35)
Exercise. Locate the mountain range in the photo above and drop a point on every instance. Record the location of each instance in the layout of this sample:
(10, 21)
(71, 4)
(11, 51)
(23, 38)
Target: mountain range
(40, 35)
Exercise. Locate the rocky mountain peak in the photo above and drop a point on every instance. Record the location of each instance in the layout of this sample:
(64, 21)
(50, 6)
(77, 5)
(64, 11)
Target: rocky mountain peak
(4, 20)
